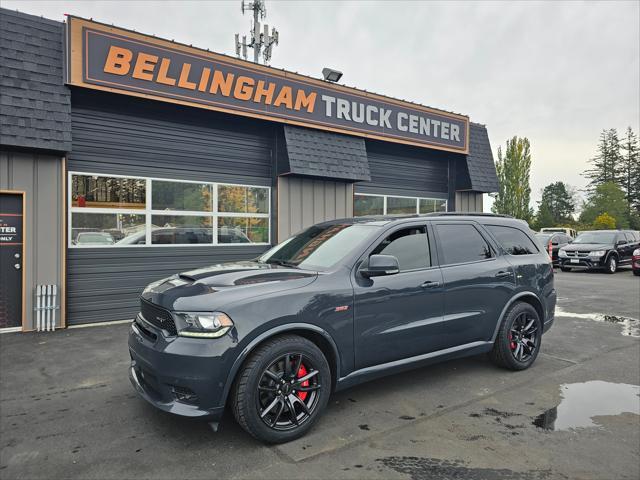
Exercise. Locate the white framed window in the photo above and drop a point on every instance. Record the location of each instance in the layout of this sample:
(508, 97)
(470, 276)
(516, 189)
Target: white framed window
(374, 204)
(123, 211)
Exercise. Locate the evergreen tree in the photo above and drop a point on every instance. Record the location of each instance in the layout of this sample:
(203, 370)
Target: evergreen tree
(544, 217)
(606, 163)
(630, 170)
(558, 203)
(607, 198)
(513, 169)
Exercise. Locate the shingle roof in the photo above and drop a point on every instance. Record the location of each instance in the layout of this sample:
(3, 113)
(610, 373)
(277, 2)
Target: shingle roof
(35, 105)
(482, 169)
(325, 154)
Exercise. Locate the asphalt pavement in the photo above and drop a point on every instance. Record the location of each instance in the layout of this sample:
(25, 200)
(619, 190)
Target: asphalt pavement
(67, 410)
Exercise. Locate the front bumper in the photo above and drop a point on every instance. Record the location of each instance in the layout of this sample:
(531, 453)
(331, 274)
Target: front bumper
(582, 262)
(183, 376)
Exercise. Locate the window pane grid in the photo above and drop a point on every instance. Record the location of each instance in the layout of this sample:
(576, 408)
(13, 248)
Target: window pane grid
(374, 204)
(113, 210)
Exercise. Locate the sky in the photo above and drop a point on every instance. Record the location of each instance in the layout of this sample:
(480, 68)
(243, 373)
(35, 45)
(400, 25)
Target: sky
(554, 72)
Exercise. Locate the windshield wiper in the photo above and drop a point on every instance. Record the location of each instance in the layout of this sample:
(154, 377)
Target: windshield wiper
(282, 263)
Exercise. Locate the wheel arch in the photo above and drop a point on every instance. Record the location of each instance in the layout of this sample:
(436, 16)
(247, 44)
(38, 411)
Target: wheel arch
(527, 297)
(319, 337)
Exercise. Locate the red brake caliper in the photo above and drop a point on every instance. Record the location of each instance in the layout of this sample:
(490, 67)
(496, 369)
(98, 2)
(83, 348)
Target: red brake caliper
(512, 344)
(301, 373)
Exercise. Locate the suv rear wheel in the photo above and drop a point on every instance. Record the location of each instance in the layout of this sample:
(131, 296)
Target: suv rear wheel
(612, 264)
(518, 341)
(282, 389)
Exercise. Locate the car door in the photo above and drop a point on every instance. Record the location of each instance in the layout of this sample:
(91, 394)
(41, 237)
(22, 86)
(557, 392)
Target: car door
(478, 282)
(395, 316)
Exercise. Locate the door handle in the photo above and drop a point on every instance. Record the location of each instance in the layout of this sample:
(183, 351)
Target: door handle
(430, 284)
(503, 274)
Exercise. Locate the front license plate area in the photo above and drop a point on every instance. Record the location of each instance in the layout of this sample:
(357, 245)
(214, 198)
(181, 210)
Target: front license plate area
(575, 260)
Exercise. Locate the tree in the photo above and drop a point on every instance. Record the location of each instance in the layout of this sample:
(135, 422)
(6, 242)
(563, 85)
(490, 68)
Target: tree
(630, 170)
(606, 163)
(544, 217)
(557, 201)
(604, 222)
(607, 198)
(513, 169)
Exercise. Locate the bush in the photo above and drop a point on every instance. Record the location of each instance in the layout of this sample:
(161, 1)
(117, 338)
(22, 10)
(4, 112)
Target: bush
(604, 222)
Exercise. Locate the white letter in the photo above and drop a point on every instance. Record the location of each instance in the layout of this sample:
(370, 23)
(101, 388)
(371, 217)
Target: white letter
(370, 111)
(413, 124)
(357, 116)
(444, 131)
(328, 100)
(402, 116)
(435, 124)
(455, 132)
(384, 118)
(343, 109)
(425, 126)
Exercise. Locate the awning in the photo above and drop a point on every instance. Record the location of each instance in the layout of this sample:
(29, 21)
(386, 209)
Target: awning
(320, 154)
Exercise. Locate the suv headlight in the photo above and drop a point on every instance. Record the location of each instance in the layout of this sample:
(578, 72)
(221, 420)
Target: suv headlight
(562, 253)
(597, 253)
(636, 252)
(203, 324)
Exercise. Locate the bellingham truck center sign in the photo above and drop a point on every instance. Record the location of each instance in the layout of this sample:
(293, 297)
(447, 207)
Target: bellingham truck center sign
(120, 61)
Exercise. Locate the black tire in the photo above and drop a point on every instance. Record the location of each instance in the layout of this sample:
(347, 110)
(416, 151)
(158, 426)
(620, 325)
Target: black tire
(247, 400)
(565, 269)
(611, 265)
(503, 353)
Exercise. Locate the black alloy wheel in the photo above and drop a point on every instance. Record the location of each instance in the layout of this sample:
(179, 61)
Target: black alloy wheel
(523, 337)
(288, 392)
(281, 389)
(612, 264)
(517, 343)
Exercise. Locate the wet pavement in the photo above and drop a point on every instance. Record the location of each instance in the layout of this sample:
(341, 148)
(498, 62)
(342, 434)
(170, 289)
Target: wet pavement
(67, 410)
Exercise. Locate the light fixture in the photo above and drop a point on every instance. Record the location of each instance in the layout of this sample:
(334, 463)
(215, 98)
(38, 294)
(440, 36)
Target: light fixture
(331, 75)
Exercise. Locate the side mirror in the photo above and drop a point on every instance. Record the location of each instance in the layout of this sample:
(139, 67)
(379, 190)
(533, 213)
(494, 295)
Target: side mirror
(380, 265)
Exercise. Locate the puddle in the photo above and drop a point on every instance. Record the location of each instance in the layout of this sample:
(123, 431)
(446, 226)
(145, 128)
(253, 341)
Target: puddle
(630, 326)
(581, 402)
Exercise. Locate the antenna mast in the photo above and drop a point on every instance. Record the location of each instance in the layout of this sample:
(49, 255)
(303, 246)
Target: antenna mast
(261, 40)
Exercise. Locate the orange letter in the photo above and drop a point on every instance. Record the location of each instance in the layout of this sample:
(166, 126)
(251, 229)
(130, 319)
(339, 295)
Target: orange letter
(204, 79)
(184, 77)
(118, 61)
(264, 92)
(145, 64)
(285, 96)
(304, 100)
(222, 83)
(162, 73)
(244, 88)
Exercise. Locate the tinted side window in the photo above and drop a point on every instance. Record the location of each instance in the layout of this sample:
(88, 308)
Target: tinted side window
(461, 244)
(513, 240)
(630, 237)
(409, 245)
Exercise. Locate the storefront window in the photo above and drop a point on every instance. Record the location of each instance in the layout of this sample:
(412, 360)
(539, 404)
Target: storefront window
(368, 205)
(93, 191)
(236, 199)
(121, 211)
(243, 230)
(365, 204)
(189, 197)
(401, 205)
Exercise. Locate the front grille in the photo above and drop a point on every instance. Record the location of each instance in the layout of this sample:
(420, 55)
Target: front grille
(158, 316)
(574, 253)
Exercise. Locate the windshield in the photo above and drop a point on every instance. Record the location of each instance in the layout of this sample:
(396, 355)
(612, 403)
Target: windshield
(595, 237)
(96, 238)
(543, 237)
(318, 247)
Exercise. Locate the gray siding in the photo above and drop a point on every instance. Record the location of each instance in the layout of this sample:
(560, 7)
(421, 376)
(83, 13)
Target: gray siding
(403, 170)
(468, 201)
(114, 134)
(40, 177)
(303, 202)
(35, 104)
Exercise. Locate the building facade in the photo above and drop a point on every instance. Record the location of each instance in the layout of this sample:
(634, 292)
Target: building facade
(125, 158)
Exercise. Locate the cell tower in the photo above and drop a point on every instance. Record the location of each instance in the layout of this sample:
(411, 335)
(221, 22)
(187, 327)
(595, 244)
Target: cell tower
(260, 38)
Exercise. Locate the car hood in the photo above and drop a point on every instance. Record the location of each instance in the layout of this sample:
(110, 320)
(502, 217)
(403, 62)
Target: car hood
(208, 288)
(583, 247)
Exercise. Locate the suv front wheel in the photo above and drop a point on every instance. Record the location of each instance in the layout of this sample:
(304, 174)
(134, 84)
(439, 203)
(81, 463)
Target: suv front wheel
(518, 341)
(612, 264)
(282, 389)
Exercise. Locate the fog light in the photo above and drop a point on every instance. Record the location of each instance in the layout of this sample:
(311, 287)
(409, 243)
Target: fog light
(184, 394)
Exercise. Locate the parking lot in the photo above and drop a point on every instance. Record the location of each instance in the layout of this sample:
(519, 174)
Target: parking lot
(68, 411)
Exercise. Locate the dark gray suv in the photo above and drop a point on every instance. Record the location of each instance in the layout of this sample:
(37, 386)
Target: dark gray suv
(340, 303)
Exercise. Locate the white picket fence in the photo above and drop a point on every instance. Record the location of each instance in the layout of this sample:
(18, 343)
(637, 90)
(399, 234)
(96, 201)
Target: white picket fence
(46, 307)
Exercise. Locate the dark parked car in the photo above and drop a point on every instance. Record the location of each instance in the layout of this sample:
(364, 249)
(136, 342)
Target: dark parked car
(600, 249)
(341, 303)
(552, 243)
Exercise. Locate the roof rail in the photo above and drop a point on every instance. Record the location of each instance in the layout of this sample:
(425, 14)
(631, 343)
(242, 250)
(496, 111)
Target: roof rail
(466, 214)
